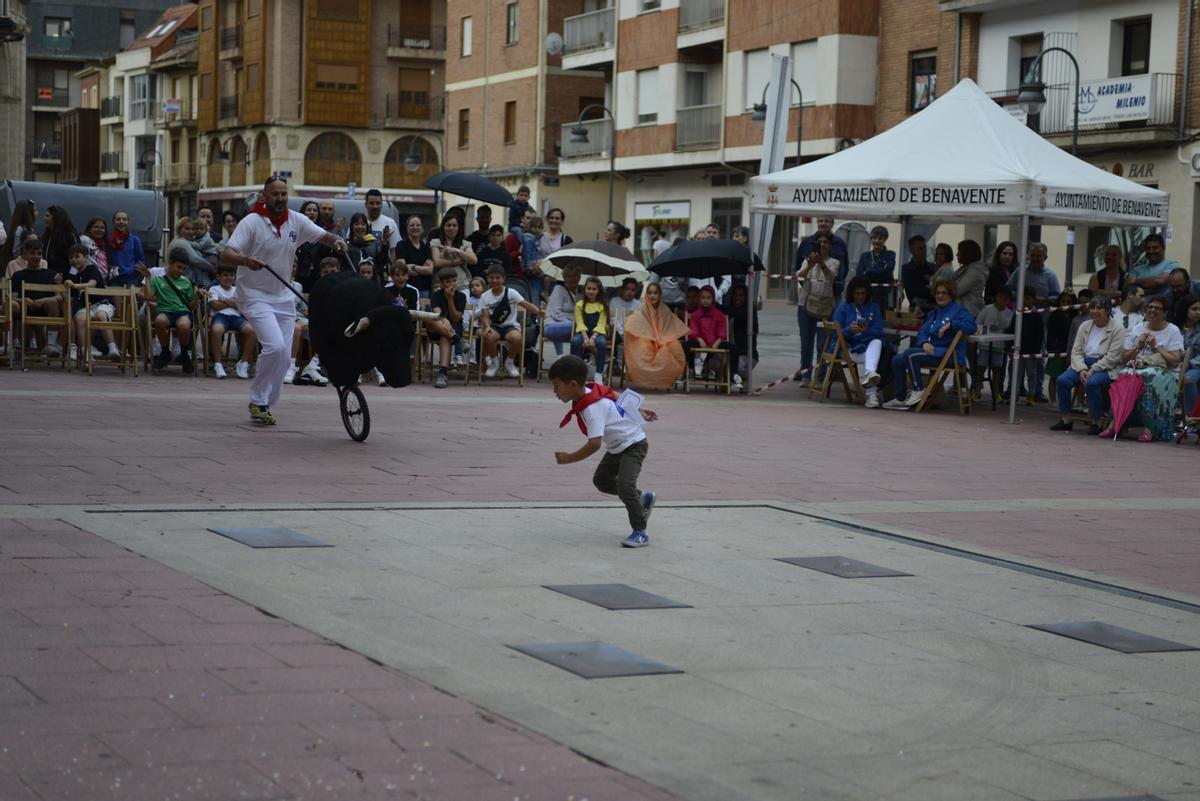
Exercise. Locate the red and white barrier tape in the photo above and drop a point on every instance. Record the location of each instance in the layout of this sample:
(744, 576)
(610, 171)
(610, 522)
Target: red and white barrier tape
(777, 382)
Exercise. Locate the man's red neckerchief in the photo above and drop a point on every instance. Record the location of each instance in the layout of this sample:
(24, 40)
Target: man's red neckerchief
(276, 221)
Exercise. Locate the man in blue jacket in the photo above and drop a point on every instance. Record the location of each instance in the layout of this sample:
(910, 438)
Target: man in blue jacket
(125, 254)
(945, 320)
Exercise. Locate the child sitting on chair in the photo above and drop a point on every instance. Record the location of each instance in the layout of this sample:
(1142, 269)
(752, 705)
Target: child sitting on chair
(707, 328)
(85, 273)
(400, 289)
(498, 320)
(222, 303)
(175, 299)
(447, 330)
(591, 324)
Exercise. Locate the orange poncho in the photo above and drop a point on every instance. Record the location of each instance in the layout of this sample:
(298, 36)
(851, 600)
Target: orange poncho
(653, 353)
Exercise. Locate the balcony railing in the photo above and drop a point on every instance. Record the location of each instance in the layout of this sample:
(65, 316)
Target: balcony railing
(432, 109)
(112, 161)
(599, 141)
(1057, 116)
(590, 31)
(58, 43)
(698, 125)
(44, 96)
(161, 116)
(177, 175)
(112, 107)
(231, 38)
(47, 151)
(228, 107)
(417, 37)
(695, 15)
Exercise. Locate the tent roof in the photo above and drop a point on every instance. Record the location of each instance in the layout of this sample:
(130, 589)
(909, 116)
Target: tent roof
(961, 158)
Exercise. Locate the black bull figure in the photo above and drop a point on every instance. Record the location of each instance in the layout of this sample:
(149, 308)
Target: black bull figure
(354, 325)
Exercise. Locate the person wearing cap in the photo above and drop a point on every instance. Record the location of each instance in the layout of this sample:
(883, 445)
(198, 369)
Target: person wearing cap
(877, 265)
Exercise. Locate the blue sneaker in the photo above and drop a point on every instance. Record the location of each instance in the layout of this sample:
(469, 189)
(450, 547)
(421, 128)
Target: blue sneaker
(638, 539)
(648, 499)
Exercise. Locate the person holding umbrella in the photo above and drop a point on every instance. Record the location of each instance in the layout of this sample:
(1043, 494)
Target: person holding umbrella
(1152, 355)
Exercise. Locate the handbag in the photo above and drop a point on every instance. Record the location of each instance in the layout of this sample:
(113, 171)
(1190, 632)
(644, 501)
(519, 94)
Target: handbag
(816, 294)
(1150, 359)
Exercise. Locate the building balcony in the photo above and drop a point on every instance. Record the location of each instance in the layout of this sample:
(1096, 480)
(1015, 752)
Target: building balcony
(598, 144)
(698, 126)
(228, 107)
(184, 117)
(230, 43)
(399, 111)
(180, 176)
(58, 44)
(48, 98)
(112, 107)
(112, 164)
(696, 15)
(416, 41)
(588, 38)
(47, 152)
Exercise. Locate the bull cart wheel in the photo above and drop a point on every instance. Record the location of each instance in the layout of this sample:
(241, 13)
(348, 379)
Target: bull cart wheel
(356, 417)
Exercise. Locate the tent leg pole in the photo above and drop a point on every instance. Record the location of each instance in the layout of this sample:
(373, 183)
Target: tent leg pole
(1014, 382)
(752, 303)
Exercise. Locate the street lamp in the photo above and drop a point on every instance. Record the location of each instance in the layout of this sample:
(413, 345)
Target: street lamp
(579, 136)
(760, 115)
(412, 159)
(1032, 98)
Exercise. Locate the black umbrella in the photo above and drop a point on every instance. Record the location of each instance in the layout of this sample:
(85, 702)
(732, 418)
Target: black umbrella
(706, 258)
(608, 261)
(471, 185)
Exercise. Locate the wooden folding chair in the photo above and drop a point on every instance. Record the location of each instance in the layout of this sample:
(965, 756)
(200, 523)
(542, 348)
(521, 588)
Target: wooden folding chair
(837, 360)
(947, 366)
(123, 325)
(502, 351)
(723, 382)
(6, 323)
(61, 321)
(616, 362)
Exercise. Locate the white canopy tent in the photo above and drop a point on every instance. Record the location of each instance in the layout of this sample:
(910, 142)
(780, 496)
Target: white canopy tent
(961, 159)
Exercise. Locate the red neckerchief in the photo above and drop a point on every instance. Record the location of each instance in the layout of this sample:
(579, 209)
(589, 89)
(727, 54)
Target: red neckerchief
(117, 238)
(277, 222)
(594, 393)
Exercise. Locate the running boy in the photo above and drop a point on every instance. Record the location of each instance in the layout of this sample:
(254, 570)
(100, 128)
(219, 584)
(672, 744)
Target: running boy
(605, 423)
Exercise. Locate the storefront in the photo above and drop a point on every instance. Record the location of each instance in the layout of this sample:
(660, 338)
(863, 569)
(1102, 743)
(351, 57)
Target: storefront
(650, 220)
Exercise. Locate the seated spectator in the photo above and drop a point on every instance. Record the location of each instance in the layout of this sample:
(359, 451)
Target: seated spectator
(624, 304)
(1191, 342)
(363, 245)
(223, 306)
(450, 250)
(1058, 331)
(971, 276)
(311, 375)
(1095, 360)
(30, 256)
(399, 288)
(450, 305)
(1154, 351)
(1082, 300)
(691, 300)
(736, 309)
(175, 300)
(1033, 335)
(39, 304)
(861, 322)
(915, 275)
(673, 291)
(366, 268)
(591, 324)
(654, 355)
(995, 318)
(498, 320)
(200, 271)
(1130, 312)
(1109, 280)
(941, 325)
(474, 295)
(84, 273)
(1180, 288)
(707, 328)
(877, 265)
(494, 252)
(93, 238)
(560, 308)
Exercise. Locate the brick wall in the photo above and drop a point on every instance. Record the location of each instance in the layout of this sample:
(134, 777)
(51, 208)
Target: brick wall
(820, 122)
(520, 152)
(563, 93)
(1193, 90)
(907, 27)
(459, 68)
(760, 23)
(645, 140)
(648, 40)
(489, 53)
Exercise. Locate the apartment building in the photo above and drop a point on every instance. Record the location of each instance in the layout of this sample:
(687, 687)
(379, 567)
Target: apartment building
(340, 95)
(683, 77)
(62, 39)
(1137, 104)
(509, 101)
(12, 89)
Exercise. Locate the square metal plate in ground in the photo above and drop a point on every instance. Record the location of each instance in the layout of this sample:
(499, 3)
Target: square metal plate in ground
(616, 596)
(270, 537)
(842, 566)
(594, 659)
(1107, 635)
(1123, 798)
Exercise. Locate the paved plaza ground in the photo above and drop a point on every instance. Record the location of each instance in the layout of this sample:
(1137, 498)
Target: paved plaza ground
(143, 656)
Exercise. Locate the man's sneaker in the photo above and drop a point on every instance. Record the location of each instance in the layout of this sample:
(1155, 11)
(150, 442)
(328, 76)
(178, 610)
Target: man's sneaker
(242, 369)
(261, 414)
(872, 380)
(160, 361)
(493, 365)
(511, 367)
(872, 402)
(897, 404)
(290, 375)
(219, 370)
(1063, 425)
(312, 374)
(185, 361)
(914, 397)
(441, 382)
(73, 354)
(638, 539)
(648, 499)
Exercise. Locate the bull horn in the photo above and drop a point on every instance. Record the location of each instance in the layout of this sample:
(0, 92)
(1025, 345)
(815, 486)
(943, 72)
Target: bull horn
(423, 316)
(357, 328)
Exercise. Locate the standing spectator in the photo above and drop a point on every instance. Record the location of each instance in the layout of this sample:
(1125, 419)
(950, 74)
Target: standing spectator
(309, 255)
(1004, 264)
(206, 213)
(1152, 275)
(1180, 288)
(1191, 342)
(202, 243)
(1033, 333)
(514, 243)
(1095, 359)
(483, 225)
(1130, 312)
(1109, 280)
(363, 245)
(971, 277)
(941, 325)
(662, 244)
(24, 221)
(1154, 351)
(126, 259)
(1038, 275)
(943, 263)
(450, 251)
(199, 271)
(809, 244)
(328, 220)
(516, 212)
(915, 275)
(229, 222)
(93, 238)
(877, 265)
(815, 301)
(713, 231)
(616, 233)
(414, 251)
(60, 235)
(554, 238)
(560, 308)
(382, 226)
(494, 252)
(531, 258)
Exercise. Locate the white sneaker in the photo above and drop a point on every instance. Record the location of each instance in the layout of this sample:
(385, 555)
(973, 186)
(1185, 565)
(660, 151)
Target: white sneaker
(313, 373)
(737, 380)
(897, 404)
(872, 402)
(872, 380)
(290, 374)
(74, 353)
(242, 369)
(493, 365)
(52, 350)
(114, 354)
(511, 367)
(380, 379)
(96, 354)
(219, 370)
(914, 397)
(698, 366)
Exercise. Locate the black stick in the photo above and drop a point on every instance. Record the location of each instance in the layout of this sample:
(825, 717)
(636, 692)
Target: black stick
(288, 284)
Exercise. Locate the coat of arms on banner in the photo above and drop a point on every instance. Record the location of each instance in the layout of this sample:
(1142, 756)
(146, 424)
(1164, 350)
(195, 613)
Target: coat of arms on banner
(773, 195)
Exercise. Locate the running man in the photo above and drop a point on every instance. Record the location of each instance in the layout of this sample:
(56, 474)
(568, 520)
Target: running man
(269, 236)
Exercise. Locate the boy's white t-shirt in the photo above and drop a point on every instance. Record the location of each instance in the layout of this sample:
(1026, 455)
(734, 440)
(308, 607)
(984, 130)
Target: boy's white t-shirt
(217, 292)
(617, 431)
(489, 301)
